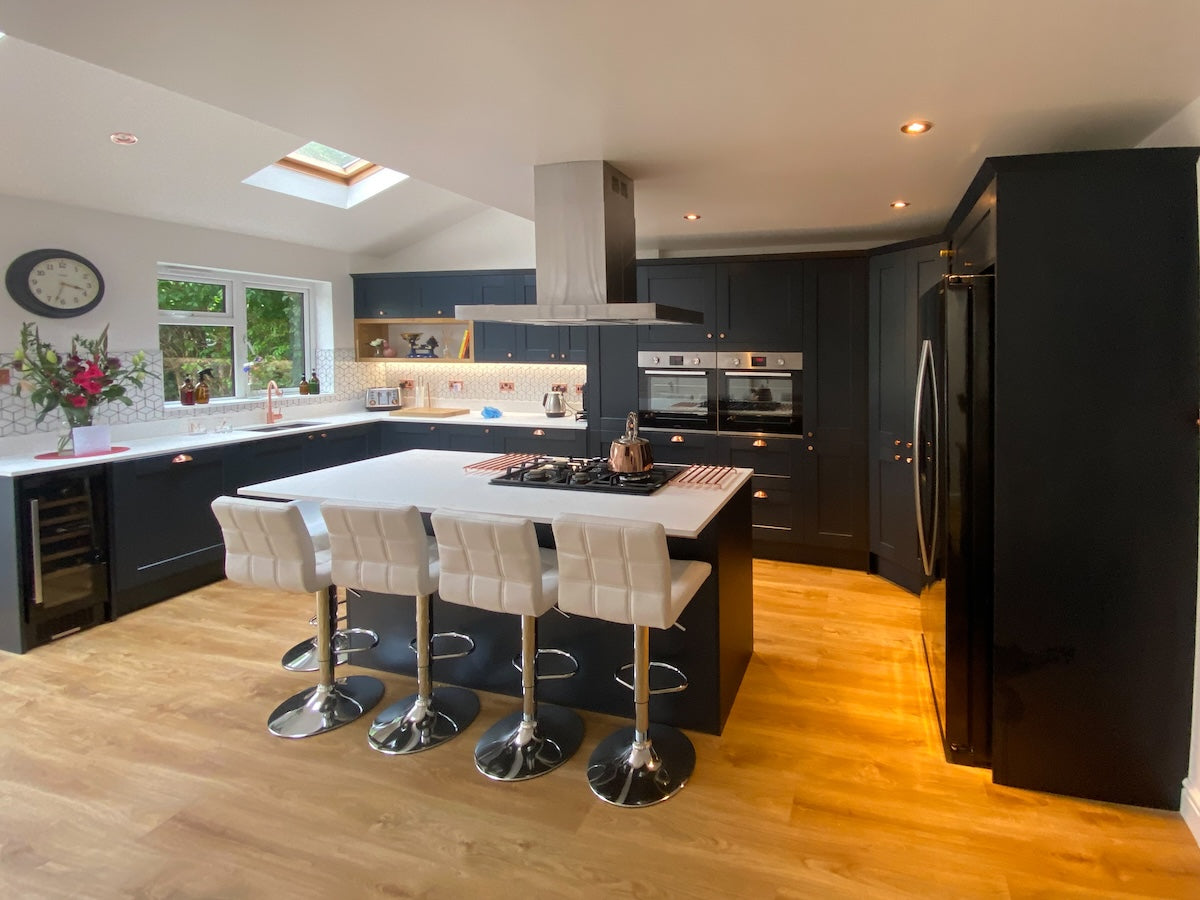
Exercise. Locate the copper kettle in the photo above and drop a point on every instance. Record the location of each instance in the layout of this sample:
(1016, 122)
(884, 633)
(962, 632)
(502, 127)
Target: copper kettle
(630, 453)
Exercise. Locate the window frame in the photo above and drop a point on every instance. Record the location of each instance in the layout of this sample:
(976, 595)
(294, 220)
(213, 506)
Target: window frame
(236, 284)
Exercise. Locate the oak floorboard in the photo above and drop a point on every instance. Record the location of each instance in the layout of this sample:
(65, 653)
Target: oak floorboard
(135, 763)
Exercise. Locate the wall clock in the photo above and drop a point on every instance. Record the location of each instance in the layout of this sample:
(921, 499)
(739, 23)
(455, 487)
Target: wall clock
(54, 283)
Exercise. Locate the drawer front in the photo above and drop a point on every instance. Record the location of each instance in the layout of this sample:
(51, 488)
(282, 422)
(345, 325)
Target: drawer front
(772, 507)
(766, 460)
(546, 441)
(684, 447)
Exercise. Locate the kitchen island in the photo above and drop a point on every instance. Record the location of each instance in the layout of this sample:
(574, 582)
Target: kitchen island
(712, 523)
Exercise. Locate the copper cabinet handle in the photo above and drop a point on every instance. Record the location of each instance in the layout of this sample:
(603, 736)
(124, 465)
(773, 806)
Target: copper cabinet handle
(182, 458)
(760, 443)
(433, 428)
(810, 446)
(760, 495)
(510, 356)
(677, 439)
(896, 442)
(907, 459)
(35, 543)
(896, 457)
(539, 432)
(908, 444)
(721, 335)
(312, 437)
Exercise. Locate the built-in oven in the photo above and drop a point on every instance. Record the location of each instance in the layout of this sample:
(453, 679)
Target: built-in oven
(760, 392)
(677, 389)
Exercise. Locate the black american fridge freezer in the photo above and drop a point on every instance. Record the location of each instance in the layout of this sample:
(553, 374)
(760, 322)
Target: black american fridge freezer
(952, 491)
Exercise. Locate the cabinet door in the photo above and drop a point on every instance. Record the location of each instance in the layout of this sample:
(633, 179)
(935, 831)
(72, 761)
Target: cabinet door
(474, 438)
(411, 436)
(499, 341)
(897, 280)
(545, 441)
(335, 447)
(760, 305)
(385, 296)
(684, 447)
(438, 294)
(834, 464)
(251, 462)
(162, 521)
(686, 286)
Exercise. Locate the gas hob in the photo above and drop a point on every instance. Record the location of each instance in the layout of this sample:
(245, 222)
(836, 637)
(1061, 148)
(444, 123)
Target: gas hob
(573, 474)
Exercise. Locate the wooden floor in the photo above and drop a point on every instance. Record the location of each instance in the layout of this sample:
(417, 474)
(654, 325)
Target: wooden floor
(134, 762)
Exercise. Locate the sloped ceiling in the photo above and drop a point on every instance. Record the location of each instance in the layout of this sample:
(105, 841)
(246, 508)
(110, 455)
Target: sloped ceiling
(777, 120)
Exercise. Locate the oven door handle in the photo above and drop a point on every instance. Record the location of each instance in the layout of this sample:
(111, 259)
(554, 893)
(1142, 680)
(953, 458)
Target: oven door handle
(674, 371)
(755, 374)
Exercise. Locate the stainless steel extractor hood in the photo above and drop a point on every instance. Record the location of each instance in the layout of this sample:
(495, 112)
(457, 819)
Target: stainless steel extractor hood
(583, 229)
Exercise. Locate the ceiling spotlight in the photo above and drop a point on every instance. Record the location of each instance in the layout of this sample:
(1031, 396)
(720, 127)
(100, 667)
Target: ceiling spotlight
(691, 217)
(899, 204)
(124, 138)
(916, 126)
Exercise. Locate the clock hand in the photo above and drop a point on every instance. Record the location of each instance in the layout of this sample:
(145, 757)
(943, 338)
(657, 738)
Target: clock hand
(59, 294)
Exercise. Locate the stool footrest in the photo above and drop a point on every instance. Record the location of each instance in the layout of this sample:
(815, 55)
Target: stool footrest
(571, 670)
(673, 689)
(446, 635)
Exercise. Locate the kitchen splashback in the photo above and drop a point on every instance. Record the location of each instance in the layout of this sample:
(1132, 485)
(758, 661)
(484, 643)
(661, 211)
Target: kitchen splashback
(342, 380)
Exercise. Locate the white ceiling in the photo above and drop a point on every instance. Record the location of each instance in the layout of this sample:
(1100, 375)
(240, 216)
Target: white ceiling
(777, 120)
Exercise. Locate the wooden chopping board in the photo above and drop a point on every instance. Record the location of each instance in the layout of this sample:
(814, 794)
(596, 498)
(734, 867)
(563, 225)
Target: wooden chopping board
(430, 412)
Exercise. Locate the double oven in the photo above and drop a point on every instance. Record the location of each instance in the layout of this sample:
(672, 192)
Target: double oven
(725, 391)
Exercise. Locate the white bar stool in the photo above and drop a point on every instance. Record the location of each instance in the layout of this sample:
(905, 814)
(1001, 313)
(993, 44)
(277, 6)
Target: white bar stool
(619, 570)
(386, 550)
(303, 657)
(494, 562)
(268, 545)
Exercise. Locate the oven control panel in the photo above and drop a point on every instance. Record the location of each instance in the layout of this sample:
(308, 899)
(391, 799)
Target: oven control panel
(677, 359)
(770, 361)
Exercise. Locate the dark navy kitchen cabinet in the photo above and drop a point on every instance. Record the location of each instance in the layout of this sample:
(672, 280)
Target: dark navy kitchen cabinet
(760, 305)
(438, 293)
(500, 341)
(897, 280)
(833, 471)
(252, 462)
(337, 446)
(689, 286)
(398, 436)
(776, 497)
(386, 295)
(165, 537)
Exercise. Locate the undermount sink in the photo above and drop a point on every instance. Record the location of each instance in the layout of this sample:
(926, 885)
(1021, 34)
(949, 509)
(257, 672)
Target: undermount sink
(281, 426)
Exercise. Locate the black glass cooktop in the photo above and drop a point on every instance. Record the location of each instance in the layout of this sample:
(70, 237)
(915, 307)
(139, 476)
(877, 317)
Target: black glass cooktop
(572, 474)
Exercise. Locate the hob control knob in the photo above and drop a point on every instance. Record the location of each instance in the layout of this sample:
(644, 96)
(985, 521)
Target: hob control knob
(779, 362)
(736, 362)
(695, 360)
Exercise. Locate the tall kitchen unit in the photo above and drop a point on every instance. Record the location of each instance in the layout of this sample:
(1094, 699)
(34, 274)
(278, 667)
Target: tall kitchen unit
(1095, 393)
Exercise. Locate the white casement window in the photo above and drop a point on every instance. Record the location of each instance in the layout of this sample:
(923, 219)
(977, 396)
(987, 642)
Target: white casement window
(243, 329)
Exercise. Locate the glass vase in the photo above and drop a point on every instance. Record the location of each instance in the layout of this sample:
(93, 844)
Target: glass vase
(72, 417)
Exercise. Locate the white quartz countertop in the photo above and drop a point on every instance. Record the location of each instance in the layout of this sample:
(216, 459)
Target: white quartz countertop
(178, 440)
(434, 479)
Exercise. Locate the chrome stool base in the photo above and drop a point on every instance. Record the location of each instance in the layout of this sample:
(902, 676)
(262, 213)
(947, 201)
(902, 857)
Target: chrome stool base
(412, 725)
(625, 773)
(323, 708)
(516, 750)
(303, 657)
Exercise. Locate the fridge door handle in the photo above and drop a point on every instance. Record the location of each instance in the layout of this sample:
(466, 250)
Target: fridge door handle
(926, 370)
(35, 541)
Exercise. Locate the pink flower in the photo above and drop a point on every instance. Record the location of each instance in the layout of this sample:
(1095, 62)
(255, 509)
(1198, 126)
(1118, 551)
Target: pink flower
(90, 379)
(78, 401)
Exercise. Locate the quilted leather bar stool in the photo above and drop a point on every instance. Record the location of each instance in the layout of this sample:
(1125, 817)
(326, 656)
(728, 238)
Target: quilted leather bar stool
(386, 550)
(494, 562)
(619, 570)
(268, 545)
(303, 657)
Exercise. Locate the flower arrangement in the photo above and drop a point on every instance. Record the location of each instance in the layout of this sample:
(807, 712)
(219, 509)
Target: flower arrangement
(79, 381)
(378, 342)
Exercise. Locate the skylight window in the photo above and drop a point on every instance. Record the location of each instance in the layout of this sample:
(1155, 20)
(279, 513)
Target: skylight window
(326, 162)
(325, 175)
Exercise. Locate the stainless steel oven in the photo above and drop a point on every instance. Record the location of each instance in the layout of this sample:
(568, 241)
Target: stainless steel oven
(677, 389)
(760, 392)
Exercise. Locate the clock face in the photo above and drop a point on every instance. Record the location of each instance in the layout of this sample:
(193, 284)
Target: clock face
(54, 283)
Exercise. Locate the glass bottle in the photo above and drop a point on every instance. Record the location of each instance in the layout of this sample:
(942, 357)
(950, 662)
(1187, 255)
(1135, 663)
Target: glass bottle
(202, 389)
(314, 386)
(303, 385)
(187, 393)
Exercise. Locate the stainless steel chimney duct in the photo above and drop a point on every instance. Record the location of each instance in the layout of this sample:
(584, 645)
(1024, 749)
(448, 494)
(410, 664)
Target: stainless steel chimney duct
(584, 233)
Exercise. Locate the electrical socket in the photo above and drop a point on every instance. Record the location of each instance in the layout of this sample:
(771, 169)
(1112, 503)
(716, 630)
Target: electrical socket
(507, 387)
(5, 376)
(579, 388)
(456, 387)
(562, 388)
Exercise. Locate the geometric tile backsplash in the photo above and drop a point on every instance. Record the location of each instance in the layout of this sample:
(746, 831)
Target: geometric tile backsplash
(342, 379)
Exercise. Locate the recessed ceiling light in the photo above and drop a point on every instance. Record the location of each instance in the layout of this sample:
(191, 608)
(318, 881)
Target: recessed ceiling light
(691, 217)
(899, 204)
(124, 138)
(916, 126)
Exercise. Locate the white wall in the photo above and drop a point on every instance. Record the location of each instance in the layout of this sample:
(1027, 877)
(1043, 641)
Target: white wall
(1183, 130)
(127, 250)
(492, 239)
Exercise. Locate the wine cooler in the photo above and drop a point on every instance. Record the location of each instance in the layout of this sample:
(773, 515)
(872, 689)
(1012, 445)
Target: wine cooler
(62, 538)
